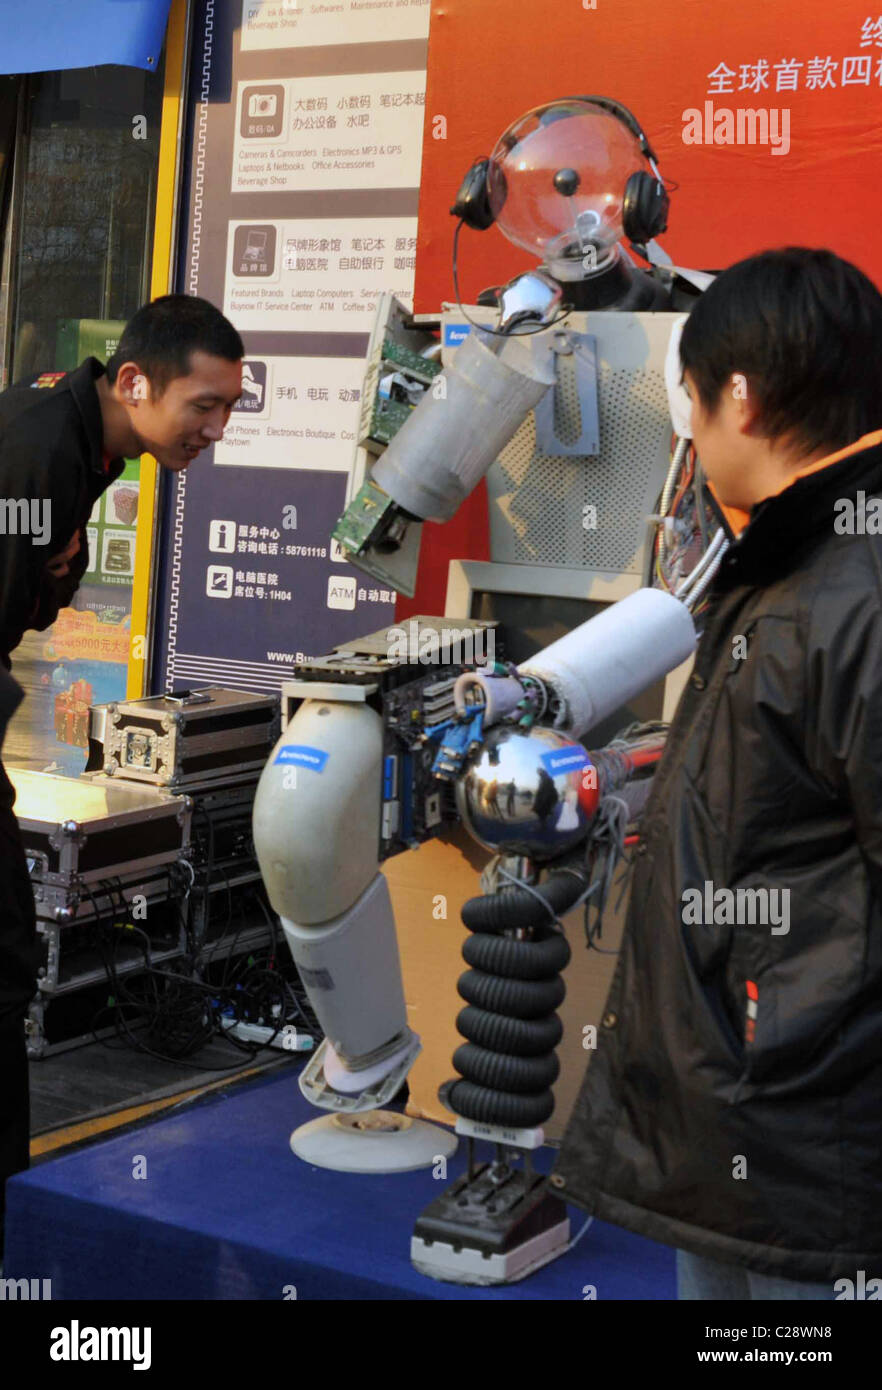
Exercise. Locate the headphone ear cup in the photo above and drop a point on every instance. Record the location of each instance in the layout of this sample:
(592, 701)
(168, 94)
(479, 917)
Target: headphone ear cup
(472, 201)
(645, 208)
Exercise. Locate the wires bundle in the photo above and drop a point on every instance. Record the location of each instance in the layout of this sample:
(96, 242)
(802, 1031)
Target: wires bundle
(689, 540)
(171, 1011)
(626, 767)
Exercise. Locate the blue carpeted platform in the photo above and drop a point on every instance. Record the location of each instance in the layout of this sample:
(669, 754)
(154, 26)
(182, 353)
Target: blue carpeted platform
(227, 1212)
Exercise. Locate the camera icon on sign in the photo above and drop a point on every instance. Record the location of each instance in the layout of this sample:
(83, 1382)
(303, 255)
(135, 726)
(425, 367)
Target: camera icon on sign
(263, 104)
(262, 115)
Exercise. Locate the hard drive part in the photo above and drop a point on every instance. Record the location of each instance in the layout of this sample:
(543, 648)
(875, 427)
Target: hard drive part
(380, 539)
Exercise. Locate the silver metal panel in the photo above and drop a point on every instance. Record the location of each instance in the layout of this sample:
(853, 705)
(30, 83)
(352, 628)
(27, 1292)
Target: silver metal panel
(220, 701)
(71, 813)
(538, 504)
(43, 799)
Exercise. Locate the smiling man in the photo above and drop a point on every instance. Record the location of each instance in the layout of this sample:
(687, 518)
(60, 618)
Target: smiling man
(172, 382)
(167, 390)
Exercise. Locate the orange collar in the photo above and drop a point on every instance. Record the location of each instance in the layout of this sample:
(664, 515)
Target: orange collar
(738, 519)
(866, 441)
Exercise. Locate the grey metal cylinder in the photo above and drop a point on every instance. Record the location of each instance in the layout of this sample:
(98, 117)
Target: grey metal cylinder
(465, 419)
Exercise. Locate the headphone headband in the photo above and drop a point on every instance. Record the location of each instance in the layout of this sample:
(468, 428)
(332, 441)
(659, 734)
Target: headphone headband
(617, 108)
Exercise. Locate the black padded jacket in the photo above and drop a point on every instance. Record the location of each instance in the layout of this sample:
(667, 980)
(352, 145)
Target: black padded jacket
(51, 449)
(733, 1107)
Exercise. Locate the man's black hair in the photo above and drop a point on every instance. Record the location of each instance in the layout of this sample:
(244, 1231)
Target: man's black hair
(162, 336)
(805, 328)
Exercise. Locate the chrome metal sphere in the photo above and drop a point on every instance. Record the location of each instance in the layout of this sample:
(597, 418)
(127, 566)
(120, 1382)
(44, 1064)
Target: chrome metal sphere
(528, 793)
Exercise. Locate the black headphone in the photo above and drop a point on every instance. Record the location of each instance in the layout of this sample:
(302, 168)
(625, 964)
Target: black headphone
(645, 206)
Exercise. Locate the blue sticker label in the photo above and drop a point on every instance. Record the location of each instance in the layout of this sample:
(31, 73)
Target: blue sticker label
(455, 333)
(568, 759)
(302, 756)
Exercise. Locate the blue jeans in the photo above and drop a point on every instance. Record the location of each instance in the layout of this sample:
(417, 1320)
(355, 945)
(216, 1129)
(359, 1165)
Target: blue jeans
(701, 1278)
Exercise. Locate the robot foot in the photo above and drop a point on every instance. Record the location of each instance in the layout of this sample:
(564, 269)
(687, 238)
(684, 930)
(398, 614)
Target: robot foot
(493, 1227)
(329, 1085)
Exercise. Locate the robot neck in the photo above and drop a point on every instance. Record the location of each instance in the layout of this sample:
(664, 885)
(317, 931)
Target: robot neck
(617, 285)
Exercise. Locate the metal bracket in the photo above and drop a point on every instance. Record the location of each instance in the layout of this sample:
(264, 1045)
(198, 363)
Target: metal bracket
(68, 830)
(582, 347)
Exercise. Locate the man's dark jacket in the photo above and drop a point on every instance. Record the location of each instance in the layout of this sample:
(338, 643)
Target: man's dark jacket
(51, 447)
(772, 778)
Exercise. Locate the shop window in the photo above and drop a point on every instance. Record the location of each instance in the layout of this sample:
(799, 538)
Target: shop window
(79, 241)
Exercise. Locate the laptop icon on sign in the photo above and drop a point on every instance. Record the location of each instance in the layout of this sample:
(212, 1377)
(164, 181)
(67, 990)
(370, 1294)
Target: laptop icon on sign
(219, 581)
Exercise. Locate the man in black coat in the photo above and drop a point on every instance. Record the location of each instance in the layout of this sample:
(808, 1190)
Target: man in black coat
(168, 390)
(734, 1106)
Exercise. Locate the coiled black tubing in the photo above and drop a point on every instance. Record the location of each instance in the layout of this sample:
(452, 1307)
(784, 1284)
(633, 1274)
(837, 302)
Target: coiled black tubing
(507, 1065)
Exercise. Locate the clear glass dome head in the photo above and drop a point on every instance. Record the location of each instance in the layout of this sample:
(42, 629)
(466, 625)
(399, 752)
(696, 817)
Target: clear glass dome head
(556, 182)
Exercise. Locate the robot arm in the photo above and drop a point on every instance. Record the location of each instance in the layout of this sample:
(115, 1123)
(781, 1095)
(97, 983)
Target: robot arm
(321, 816)
(317, 832)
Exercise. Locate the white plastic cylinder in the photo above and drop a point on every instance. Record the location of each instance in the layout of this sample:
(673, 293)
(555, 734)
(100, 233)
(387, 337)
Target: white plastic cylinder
(500, 694)
(317, 810)
(606, 661)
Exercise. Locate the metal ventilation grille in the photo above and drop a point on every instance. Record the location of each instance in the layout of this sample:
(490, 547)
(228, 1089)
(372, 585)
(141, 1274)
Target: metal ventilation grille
(538, 503)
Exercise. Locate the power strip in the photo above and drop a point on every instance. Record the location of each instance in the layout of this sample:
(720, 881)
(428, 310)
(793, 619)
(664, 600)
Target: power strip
(287, 1038)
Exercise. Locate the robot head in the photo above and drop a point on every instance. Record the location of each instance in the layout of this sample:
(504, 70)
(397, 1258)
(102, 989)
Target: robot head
(567, 182)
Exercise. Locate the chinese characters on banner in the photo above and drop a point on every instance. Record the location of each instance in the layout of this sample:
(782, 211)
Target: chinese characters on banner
(861, 68)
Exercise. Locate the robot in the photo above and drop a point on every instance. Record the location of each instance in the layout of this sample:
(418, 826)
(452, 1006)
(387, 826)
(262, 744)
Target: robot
(382, 752)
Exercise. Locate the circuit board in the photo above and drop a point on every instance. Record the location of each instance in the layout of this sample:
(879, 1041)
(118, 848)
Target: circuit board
(413, 668)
